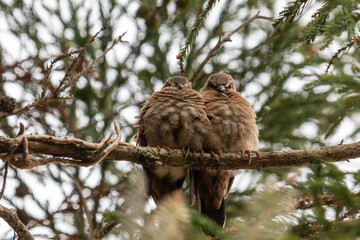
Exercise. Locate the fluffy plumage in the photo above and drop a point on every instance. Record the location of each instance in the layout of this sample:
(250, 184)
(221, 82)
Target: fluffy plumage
(173, 117)
(234, 124)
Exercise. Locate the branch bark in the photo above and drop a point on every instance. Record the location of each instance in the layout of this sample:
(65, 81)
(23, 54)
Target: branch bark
(105, 230)
(80, 153)
(15, 223)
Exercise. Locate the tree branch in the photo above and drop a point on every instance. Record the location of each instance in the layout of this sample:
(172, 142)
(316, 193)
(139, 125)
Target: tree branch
(327, 199)
(12, 219)
(77, 152)
(105, 230)
(227, 38)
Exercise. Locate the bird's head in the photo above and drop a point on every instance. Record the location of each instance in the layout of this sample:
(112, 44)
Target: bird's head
(177, 81)
(220, 82)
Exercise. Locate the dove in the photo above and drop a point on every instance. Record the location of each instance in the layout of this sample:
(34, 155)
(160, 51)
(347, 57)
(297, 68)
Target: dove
(173, 118)
(234, 125)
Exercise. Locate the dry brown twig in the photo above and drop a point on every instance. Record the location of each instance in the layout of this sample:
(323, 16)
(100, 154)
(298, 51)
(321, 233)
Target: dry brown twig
(105, 230)
(72, 75)
(17, 141)
(195, 76)
(79, 189)
(4, 179)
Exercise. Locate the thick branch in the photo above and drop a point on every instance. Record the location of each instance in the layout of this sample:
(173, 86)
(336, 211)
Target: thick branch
(80, 153)
(15, 223)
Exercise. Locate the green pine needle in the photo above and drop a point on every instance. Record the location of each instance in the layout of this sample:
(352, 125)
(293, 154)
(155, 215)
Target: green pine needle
(192, 34)
(293, 10)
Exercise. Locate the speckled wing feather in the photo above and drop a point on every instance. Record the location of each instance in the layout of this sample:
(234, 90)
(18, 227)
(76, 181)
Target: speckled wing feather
(173, 117)
(233, 120)
(234, 123)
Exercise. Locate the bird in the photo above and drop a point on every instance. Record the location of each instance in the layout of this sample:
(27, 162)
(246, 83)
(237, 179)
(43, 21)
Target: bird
(173, 118)
(234, 123)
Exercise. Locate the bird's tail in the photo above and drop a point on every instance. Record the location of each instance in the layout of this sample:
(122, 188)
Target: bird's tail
(217, 215)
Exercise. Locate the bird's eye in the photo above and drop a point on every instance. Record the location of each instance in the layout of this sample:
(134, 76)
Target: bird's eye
(230, 86)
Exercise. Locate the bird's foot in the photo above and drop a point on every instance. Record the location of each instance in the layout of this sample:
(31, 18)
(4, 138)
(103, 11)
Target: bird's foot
(216, 155)
(249, 152)
(164, 147)
(186, 152)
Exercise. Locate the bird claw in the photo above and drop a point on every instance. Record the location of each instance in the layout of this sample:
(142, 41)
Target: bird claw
(213, 155)
(186, 153)
(249, 152)
(256, 153)
(194, 152)
(165, 147)
(158, 148)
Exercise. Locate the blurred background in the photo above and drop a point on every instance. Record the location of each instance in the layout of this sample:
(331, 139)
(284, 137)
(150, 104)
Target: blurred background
(280, 66)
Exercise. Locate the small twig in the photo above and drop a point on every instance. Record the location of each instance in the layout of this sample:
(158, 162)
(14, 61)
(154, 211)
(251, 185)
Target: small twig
(26, 154)
(91, 65)
(17, 141)
(21, 129)
(105, 230)
(227, 38)
(112, 146)
(329, 200)
(79, 189)
(71, 76)
(15, 223)
(69, 79)
(4, 181)
(336, 55)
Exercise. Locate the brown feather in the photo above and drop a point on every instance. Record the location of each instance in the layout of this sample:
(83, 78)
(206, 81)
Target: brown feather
(173, 117)
(234, 124)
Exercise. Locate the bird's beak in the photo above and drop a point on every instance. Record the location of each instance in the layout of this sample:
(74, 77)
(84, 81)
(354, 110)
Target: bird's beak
(221, 88)
(181, 86)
